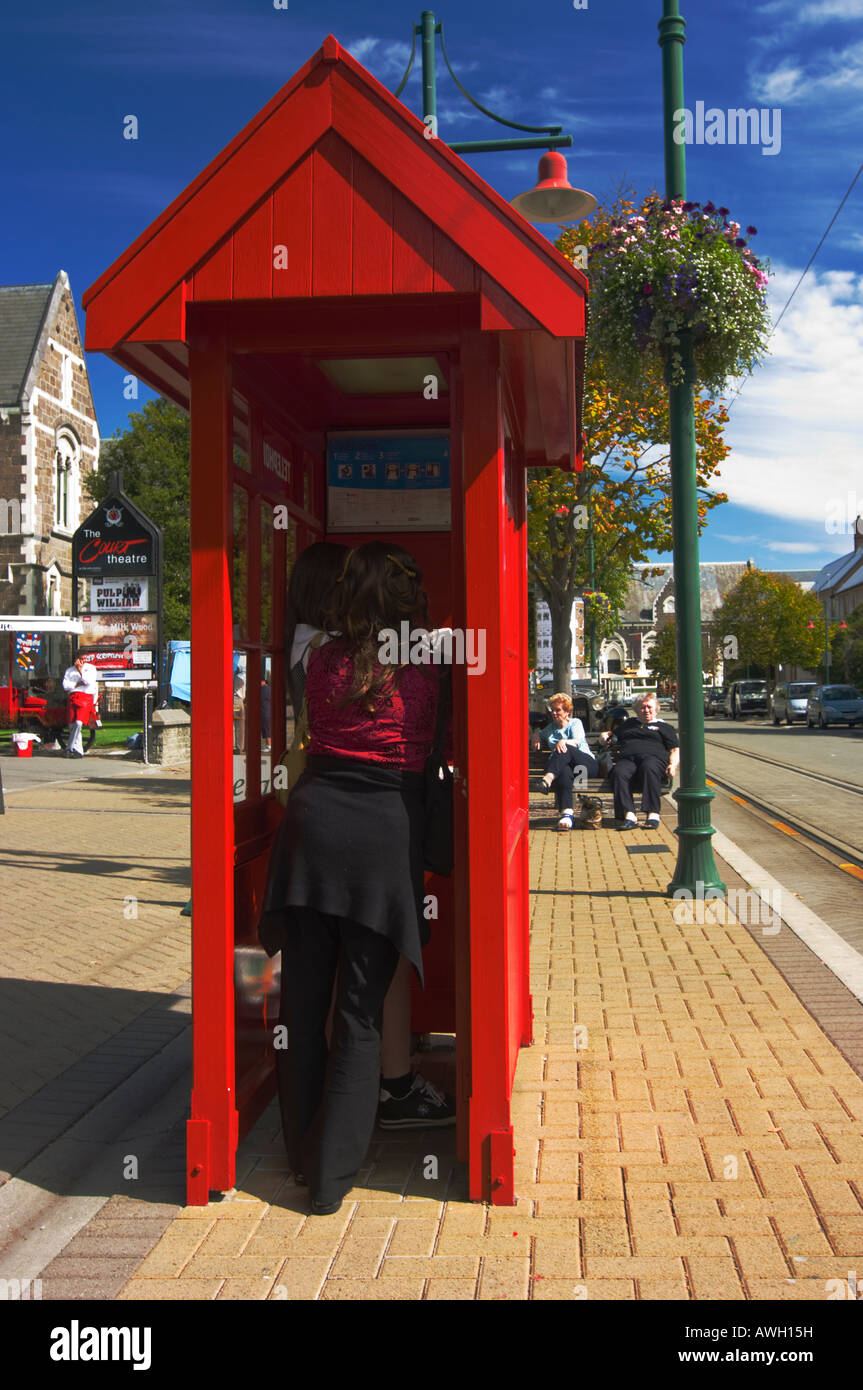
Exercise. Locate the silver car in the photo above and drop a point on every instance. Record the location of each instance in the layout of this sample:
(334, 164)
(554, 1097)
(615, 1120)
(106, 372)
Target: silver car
(788, 702)
(834, 704)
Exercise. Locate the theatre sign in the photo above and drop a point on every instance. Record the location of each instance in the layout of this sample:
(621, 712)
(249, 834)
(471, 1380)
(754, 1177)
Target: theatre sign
(118, 551)
(115, 540)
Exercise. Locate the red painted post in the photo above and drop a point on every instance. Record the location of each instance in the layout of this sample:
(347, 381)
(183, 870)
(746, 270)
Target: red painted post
(485, 901)
(212, 1129)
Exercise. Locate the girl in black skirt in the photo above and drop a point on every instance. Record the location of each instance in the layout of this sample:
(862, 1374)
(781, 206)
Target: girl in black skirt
(345, 886)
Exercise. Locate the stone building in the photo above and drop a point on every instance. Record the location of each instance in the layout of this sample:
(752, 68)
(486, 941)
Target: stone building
(49, 443)
(650, 603)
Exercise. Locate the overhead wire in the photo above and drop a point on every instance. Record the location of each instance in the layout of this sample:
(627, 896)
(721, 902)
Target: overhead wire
(806, 269)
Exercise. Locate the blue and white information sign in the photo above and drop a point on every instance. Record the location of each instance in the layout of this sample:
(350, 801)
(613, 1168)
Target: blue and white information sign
(388, 482)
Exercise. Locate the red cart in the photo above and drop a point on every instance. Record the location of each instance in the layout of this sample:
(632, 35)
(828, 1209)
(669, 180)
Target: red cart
(32, 698)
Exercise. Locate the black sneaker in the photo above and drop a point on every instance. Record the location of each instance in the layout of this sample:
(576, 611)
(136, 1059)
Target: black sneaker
(424, 1107)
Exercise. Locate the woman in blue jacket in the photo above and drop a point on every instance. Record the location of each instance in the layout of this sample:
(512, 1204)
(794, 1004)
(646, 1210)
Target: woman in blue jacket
(566, 739)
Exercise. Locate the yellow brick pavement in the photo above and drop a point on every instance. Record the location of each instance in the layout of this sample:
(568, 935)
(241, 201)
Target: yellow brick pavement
(683, 1128)
(86, 945)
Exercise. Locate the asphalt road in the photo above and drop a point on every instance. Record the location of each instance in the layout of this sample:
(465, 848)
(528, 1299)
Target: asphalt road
(831, 753)
(837, 751)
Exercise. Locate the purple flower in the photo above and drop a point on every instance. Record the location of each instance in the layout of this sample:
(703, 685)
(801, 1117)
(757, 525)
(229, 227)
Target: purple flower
(723, 212)
(739, 241)
(709, 207)
(647, 289)
(751, 231)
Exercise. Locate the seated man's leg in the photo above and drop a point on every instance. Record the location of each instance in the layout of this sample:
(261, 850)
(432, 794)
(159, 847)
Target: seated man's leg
(652, 773)
(621, 783)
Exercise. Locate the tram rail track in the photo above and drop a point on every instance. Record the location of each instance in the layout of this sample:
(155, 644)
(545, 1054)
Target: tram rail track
(786, 767)
(850, 857)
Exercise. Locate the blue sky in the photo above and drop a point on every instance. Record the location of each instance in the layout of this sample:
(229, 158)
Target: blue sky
(195, 73)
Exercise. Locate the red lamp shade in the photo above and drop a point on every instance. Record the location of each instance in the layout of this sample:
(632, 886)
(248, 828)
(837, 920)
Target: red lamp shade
(554, 199)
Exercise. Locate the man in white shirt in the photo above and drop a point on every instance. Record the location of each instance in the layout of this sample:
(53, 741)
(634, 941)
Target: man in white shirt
(81, 681)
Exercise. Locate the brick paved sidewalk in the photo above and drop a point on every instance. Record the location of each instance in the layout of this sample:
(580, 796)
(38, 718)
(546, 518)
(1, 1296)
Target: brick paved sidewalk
(684, 1130)
(94, 874)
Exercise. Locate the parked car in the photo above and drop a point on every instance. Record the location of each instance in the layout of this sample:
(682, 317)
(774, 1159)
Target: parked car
(834, 704)
(788, 702)
(589, 704)
(746, 697)
(714, 699)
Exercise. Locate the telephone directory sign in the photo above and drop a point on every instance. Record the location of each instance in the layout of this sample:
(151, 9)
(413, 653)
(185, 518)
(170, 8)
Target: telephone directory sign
(388, 481)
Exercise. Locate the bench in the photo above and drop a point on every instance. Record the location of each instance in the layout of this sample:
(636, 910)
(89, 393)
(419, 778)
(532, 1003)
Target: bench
(595, 786)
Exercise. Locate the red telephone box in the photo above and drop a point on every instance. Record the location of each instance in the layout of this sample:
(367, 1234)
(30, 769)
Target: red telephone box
(334, 271)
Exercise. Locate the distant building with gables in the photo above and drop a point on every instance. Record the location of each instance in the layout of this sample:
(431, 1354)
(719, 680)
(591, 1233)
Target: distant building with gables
(649, 605)
(49, 444)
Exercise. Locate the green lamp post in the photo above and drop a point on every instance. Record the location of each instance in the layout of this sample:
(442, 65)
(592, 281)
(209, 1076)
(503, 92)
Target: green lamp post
(594, 664)
(696, 871)
(553, 199)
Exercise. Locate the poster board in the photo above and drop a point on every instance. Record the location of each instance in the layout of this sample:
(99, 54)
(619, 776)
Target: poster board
(388, 480)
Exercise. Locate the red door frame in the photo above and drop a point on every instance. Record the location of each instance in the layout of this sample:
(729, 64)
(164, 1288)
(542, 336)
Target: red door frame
(212, 1130)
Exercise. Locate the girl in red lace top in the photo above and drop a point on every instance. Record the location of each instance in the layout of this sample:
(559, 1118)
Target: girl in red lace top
(346, 872)
(400, 733)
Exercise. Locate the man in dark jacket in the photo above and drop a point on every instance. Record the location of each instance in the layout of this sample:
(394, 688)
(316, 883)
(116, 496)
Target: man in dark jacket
(647, 745)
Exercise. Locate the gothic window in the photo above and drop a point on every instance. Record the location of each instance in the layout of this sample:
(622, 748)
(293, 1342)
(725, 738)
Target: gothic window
(668, 605)
(67, 457)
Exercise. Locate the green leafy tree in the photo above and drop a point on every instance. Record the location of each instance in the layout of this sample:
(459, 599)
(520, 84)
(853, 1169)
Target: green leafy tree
(847, 648)
(625, 487)
(764, 622)
(153, 454)
(662, 658)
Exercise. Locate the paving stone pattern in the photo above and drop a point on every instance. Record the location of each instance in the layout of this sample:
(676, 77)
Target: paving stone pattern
(94, 874)
(684, 1130)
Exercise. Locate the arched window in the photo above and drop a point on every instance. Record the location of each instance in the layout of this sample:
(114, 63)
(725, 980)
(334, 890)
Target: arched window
(67, 458)
(52, 592)
(668, 604)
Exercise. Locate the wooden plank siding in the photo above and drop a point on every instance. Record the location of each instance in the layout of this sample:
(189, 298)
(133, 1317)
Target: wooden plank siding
(346, 231)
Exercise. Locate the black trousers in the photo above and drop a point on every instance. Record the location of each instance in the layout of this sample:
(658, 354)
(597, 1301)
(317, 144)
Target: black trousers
(329, 1097)
(652, 773)
(564, 765)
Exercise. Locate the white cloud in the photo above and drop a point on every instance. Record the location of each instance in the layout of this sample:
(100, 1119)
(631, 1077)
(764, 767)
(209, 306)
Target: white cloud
(795, 547)
(780, 85)
(822, 12)
(797, 425)
(383, 60)
(831, 72)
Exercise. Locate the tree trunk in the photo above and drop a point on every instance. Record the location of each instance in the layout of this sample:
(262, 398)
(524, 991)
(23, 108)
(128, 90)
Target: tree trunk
(561, 643)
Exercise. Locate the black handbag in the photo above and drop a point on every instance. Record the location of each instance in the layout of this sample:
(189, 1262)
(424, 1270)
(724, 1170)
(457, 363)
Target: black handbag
(438, 842)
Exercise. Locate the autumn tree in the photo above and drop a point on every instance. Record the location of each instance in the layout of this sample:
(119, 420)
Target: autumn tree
(625, 487)
(764, 621)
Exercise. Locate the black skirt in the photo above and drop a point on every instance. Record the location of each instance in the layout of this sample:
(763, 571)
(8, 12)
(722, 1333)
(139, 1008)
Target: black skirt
(351, 844)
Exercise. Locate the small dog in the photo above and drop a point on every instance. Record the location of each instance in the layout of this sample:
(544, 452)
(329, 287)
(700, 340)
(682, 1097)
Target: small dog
(590, 815)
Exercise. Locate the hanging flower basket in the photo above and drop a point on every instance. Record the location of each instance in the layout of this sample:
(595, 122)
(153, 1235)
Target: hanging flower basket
(679, 266)
(596, 605)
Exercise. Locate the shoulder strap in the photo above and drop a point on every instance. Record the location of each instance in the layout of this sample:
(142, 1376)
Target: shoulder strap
(444, 701)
